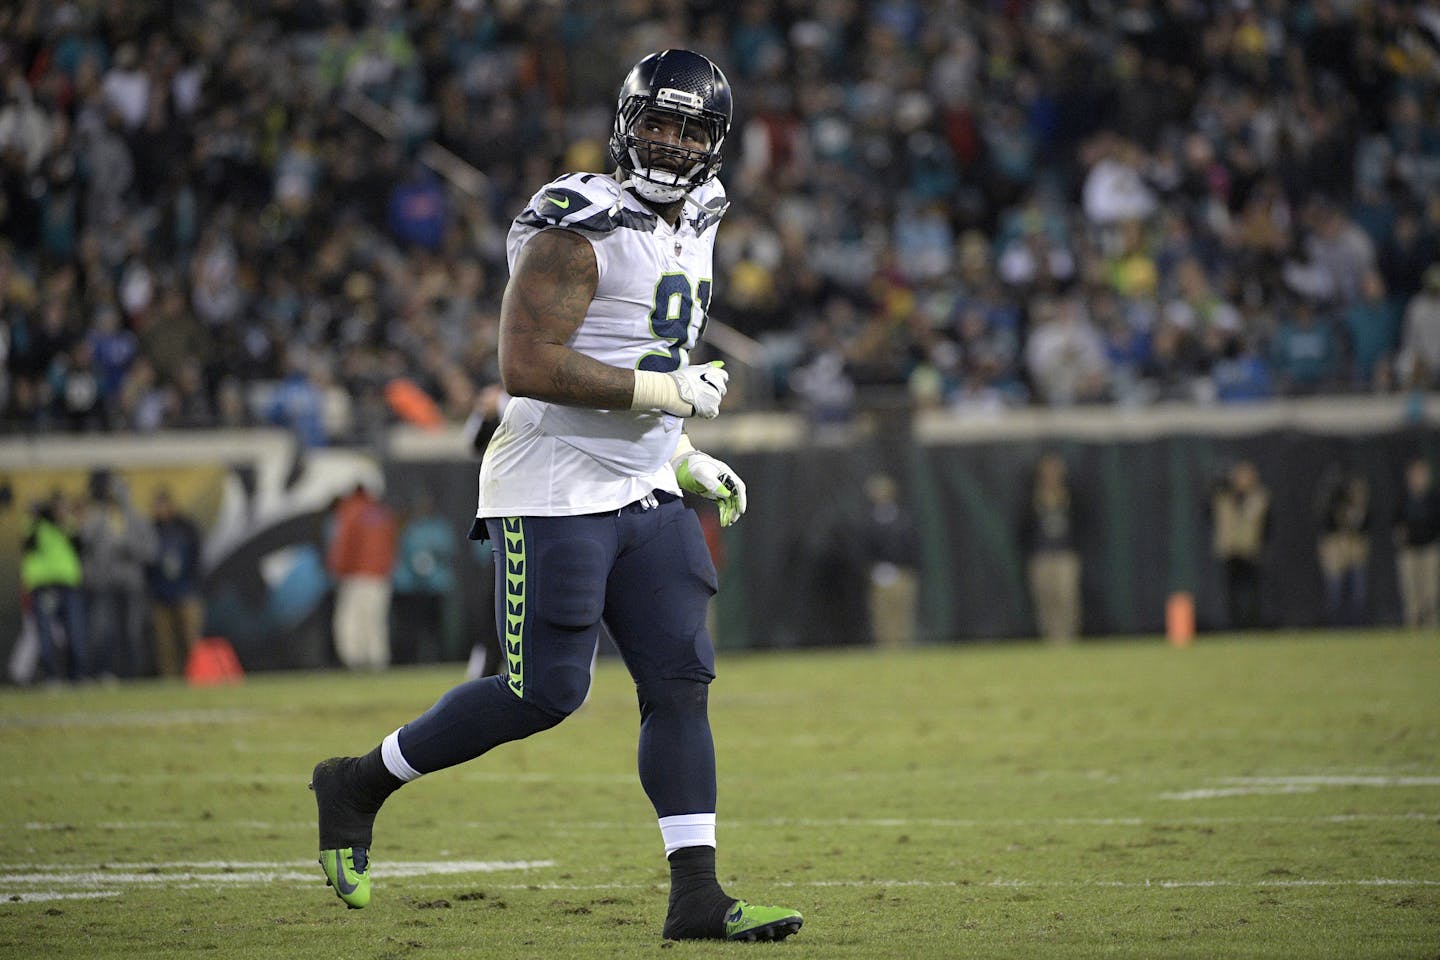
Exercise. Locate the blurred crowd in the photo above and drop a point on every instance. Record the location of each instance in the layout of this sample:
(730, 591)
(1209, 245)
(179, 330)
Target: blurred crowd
(216, 212)
(110, 590)
(107, 591)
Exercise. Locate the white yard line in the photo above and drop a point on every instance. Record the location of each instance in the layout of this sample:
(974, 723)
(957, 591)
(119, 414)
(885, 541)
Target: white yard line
(18, 881)
(138, 718)
(1306, 783)
(298, 779)
(34, 872)
(62, 826)
(53, 879)
(10, 897)
(1213, 793)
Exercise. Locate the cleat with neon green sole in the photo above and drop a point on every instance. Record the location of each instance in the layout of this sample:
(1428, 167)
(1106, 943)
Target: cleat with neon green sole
(745, 921)
(348, 871)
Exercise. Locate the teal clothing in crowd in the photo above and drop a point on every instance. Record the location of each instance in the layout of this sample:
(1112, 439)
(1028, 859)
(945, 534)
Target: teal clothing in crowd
(1305, 353)
(426, 561)
(1374, 327)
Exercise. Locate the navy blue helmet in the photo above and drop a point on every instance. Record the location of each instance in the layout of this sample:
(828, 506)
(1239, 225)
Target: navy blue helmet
(684, 85)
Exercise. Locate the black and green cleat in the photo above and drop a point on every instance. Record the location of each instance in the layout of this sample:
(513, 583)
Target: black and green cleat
(346, 826)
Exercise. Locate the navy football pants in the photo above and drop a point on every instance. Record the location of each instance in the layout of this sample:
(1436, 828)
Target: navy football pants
(647, 574)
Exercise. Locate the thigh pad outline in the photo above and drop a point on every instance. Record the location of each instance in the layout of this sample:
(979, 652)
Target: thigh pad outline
(571, 588)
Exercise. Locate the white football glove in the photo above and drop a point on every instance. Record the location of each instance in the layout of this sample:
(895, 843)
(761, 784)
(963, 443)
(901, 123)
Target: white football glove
(703, 387)
(702, 474)
(694, 391)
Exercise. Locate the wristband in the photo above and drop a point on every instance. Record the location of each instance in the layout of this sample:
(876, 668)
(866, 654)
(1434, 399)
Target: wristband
(657, 391)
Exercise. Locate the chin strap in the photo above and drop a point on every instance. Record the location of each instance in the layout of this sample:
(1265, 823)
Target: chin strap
(704, 216)
(634, 185)
(631, 183)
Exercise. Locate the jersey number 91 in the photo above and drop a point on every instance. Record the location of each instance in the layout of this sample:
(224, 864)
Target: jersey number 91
(674, 318)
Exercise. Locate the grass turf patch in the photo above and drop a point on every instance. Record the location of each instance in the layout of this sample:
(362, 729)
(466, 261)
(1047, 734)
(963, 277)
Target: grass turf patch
(1262, 796)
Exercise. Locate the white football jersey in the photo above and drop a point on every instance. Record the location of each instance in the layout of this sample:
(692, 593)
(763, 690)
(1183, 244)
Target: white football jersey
(649, 311)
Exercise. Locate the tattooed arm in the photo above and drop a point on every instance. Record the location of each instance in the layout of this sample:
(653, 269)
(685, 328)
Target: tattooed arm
(547, 297)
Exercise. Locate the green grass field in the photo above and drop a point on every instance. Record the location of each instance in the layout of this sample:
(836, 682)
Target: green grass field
(1268, 796)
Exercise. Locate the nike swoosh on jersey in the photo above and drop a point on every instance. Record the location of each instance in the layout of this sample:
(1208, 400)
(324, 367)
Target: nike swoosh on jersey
(556, 201)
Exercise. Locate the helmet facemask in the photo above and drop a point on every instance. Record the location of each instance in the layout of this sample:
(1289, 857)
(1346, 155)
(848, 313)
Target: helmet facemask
(651, 164)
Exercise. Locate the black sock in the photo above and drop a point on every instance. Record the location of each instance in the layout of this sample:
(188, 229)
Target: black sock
(373, 779)
(349, 791)
(697, 904)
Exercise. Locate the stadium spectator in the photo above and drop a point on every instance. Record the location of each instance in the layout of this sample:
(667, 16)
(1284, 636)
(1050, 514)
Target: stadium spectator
(1410, 249)
(126, 87)
(890, 544)
(298, 402)
(1115, 190)
(1065, 355)
(823, 382)
(177, 609)
(1419, 358)
(1339, 250)
(361, 558)
(1240, 373)
(1417, 542)
(50, 572)
(418, 210)
(1240, 514)
(424, 584)
(116, 544)
(1373, 326)
(1049, 537)
(1344, 547)
(1305, 349)
(113, 349)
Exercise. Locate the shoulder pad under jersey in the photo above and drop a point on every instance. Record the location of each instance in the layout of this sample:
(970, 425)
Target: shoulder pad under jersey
(709, 206)
(581, 201)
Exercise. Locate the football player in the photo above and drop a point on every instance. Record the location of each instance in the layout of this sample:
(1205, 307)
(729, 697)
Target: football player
(580, 492)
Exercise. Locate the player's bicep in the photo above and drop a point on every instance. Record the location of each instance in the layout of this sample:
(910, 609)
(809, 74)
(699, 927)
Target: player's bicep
(549, 293)
(545, 302)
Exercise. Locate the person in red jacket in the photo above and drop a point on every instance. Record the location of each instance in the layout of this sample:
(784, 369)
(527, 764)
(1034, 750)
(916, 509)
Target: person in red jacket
(361, 558)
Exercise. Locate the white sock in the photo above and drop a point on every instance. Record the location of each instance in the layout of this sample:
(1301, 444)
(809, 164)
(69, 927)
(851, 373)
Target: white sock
(686, 830)
(395, 760)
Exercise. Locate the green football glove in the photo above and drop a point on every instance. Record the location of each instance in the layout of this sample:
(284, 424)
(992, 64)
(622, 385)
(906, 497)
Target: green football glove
(702, 474)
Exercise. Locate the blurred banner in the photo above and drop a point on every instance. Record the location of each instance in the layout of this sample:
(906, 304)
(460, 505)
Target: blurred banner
(794, 571)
